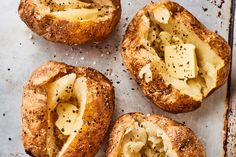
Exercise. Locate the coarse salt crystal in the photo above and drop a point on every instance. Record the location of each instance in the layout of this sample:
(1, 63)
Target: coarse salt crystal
(30, 36)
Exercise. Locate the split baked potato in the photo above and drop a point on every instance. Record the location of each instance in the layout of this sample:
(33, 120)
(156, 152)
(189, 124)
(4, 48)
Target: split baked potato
(175, 59)
(66, 111)
(71, 21)
(136, 135)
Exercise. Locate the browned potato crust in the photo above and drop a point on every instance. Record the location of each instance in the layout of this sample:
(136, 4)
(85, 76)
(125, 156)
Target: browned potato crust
(163, 95)
(97, 115)
(183, 140)
(62, 30)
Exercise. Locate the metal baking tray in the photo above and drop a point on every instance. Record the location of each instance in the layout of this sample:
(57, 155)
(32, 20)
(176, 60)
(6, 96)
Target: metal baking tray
(21, 51)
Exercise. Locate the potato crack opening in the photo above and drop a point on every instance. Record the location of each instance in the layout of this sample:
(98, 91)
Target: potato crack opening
(66, 104)
(180, 56)
(76, 9)
(145, 139)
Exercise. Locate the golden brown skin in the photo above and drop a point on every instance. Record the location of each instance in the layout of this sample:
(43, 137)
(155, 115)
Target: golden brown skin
(97, 116)
(183, 140)
(64, 31)
(165, 96)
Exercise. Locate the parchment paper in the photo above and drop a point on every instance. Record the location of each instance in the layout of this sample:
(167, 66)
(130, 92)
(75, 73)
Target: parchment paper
(21, 51)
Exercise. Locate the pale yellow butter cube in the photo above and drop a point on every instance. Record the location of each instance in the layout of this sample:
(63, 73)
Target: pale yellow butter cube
(181, 61)
(67, 114)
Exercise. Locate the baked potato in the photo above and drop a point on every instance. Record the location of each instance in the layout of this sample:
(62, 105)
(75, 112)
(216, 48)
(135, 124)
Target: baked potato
(71, 21)
(136, 135)
(174, 58)
(66, 111)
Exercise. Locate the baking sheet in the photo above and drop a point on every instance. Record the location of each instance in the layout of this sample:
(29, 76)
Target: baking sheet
(21, 52)
(231, 117)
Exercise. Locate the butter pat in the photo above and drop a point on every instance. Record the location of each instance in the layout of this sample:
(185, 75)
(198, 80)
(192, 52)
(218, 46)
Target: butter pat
(161, 15)
(181, 61)
(67, 114)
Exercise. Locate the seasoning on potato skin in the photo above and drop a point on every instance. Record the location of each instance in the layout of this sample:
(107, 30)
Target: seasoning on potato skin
(35, 111)
(130, 130)
(71, 23)
(140, 48)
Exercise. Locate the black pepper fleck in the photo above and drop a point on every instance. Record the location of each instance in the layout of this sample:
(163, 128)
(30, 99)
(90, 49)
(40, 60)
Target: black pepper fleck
(204, 9)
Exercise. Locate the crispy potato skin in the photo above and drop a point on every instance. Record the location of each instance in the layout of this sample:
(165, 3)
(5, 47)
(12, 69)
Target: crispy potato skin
(165, 96)
(97, 116)
(68, 32)
(183, 139)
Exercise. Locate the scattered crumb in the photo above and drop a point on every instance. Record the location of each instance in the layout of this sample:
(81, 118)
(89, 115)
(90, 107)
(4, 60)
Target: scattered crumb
(219, 14)
(112, 74)
(30, 36)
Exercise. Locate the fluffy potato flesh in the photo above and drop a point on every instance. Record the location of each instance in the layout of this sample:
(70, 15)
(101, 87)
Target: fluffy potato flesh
(66, 106)
(145, 139)
(74, 10)
(146, 73)
(60, 90)
(163, 34)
